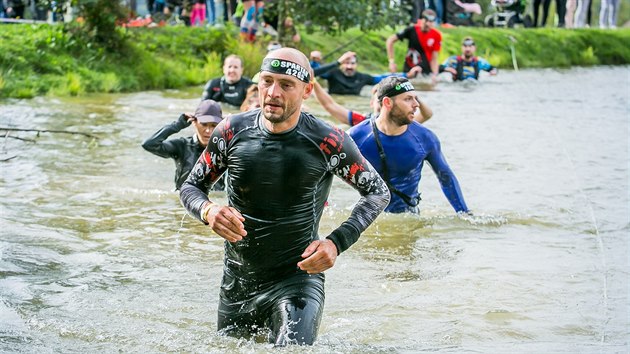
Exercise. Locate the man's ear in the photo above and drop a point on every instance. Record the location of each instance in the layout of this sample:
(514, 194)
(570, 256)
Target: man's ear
(387, 102)
(308, 89)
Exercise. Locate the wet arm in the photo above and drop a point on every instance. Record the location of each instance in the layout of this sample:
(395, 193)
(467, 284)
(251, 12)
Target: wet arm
(208, 169)
(336, 110)
(358, 173)
(389, 45)
(447, 179)
(424, 112)
(157, 144)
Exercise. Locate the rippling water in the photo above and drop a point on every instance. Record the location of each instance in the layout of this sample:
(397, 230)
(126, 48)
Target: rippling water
(97, 255)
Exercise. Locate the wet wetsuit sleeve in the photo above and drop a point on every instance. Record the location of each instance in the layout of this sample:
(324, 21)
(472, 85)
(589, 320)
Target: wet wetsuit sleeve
(211, 89)
(448, 181)
(157, 143)
(355, 170)
(484, 65)
(208, 169)
(324, 69)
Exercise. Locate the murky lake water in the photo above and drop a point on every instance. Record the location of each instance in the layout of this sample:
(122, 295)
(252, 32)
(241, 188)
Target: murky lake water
(97, 255)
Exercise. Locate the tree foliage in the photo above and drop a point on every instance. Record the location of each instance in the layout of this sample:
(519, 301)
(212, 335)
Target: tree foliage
(100, 20)
(336, 17)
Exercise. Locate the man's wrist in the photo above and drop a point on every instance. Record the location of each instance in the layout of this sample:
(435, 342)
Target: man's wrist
(205, 210)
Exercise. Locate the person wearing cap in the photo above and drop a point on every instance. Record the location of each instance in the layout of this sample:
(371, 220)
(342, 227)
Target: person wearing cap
(352, 118)
(280, 163)
(186, 150)
(423, 46)
(467, 66)
(397, 146)
(232, 87)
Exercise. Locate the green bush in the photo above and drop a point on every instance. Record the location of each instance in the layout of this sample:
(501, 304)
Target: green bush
(46, 59)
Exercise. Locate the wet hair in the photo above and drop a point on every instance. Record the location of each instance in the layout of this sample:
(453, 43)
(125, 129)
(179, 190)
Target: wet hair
(388, 87)
(251, 91)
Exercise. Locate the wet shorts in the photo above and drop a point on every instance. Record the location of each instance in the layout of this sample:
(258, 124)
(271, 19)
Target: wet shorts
(290, 308)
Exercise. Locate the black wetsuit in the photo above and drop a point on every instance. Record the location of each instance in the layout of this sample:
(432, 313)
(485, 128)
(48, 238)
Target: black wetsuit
(340, 84)
(280, 184)
(185, 151)
(221, 91)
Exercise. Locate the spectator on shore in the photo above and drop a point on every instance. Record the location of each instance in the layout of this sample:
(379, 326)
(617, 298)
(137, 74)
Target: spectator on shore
(608, 13)
(460, 12)
(232, 87)
(290, 36)
(198, 14)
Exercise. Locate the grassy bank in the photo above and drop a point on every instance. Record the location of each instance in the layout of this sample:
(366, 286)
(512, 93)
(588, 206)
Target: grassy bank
(44, 60)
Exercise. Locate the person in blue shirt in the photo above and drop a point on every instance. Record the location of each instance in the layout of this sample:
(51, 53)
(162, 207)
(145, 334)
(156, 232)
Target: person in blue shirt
(467, 66)
(397, 146)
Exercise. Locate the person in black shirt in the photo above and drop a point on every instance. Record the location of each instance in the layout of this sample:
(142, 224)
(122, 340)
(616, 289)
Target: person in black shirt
(280, 165)
(344, 79)
(186, 151)
(232, 87)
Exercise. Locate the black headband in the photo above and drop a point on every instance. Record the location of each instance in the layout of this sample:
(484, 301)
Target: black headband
(286, 67)
(397, 90)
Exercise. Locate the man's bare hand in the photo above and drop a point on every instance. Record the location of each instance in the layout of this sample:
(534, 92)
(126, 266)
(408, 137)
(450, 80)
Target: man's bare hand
(227, 222)
(413, 72)
(345, 56)
(319, 256)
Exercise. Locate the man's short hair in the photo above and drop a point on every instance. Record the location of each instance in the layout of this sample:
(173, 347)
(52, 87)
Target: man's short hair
(428, 13)
(234, 56)
(387, 85)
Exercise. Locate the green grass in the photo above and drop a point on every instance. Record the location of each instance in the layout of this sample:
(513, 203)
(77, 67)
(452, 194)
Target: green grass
(45, 60)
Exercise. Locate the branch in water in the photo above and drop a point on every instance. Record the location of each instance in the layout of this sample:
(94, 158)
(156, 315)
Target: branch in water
(49, 131)
(18, 138)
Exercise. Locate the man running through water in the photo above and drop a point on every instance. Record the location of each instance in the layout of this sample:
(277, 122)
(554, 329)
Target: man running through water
(280, 163)
(397, 147)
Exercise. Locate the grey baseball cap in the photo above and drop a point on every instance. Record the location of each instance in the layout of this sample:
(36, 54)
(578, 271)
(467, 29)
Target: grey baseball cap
(209, 111)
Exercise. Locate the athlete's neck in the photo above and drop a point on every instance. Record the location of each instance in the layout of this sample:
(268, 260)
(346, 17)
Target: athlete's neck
(283, 126)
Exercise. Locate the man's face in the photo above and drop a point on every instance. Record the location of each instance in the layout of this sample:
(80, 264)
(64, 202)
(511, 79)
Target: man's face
(204, 130)
(428, 22)
(281, 96)
(233, 70)
(403, 109)
(316, 56)
(349, 66)
(468, 49)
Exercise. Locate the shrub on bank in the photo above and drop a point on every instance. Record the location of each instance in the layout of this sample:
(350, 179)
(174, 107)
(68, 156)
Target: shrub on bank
(46, 60)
